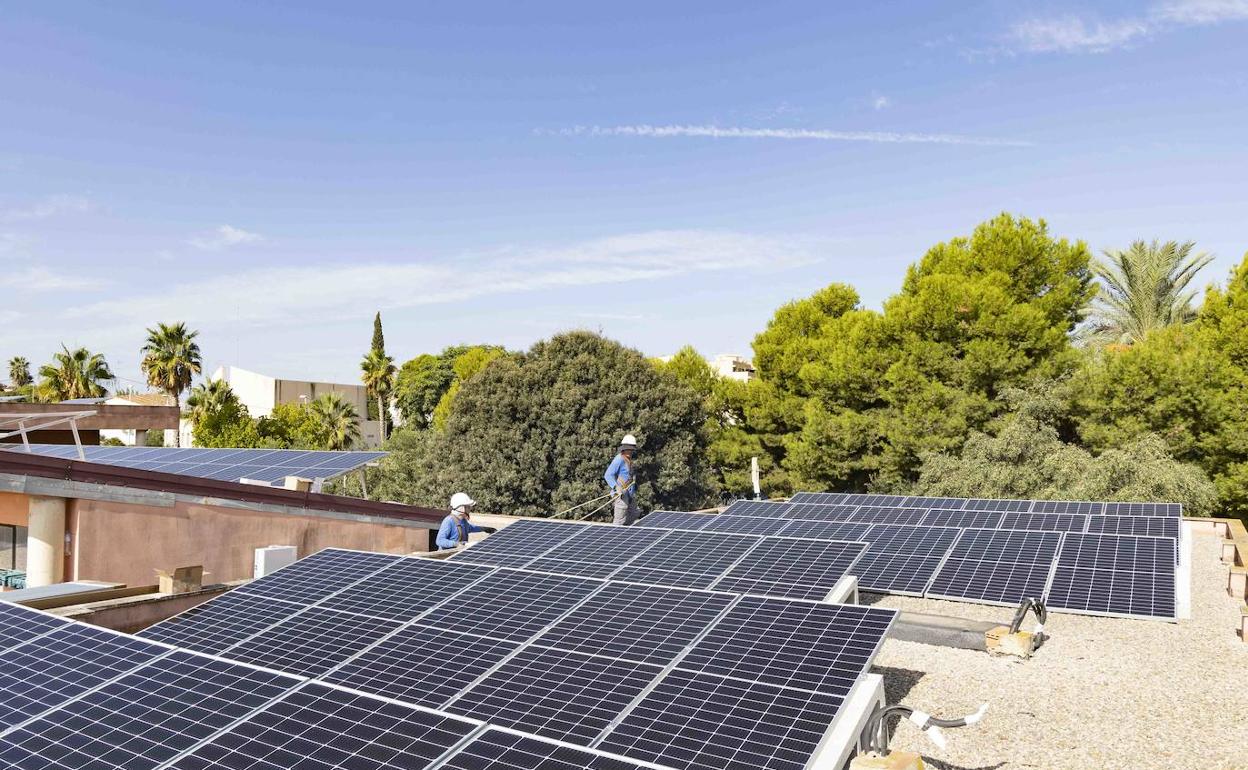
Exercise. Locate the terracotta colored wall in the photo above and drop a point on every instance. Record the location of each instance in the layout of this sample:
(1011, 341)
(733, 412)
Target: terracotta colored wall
(14, 508)
(125, 543)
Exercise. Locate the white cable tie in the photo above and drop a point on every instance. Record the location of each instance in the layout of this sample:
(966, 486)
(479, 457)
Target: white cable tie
(936, 736)
(920, 718)
(1039, 629)
(978, 715)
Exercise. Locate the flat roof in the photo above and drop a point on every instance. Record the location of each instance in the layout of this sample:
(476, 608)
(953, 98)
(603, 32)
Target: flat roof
(1101, 692)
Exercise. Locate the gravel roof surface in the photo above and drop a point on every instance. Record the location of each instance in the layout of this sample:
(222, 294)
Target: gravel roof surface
(1102, 693)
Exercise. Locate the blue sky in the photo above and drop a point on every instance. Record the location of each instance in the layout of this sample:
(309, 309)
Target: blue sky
(668, 173)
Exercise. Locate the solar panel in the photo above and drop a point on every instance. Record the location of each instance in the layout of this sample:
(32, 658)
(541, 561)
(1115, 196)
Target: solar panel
(511, 605)
(762, 508)
(311, 642)
(1115, 574)
(422, 665)
(1157, 526)
(406, 588)
(822, 647)
(902, 559)
(888, 514)
(1046, 522)
(1066, 506)
(817, 497)
(319, 575)
(693, 720)
(820, 512)
(979, 504)
(22, 624)
(143, 719)
(801, 569)
(826, 530)
(224, 621)
(65, 663)
(556, 693)
(272, 465)
(607, 546)
(518, 544)
(687, 559)
(675, 520)
(1143, 509)
(997, 566)
(324, 727)
(501, 750)
(646, 624)
(745, 525)
(963, 519)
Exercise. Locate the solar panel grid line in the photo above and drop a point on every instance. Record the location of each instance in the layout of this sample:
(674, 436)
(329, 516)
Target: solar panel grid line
(23, 624)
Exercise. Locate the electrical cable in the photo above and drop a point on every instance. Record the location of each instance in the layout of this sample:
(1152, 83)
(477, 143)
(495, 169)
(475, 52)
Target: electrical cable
(876, 730)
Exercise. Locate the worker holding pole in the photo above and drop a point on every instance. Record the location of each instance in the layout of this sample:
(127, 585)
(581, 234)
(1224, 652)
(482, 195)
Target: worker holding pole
(456, 527)
(622, 480)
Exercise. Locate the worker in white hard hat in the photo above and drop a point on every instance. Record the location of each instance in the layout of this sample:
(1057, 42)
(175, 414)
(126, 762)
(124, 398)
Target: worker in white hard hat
(456, 527)
(623, 482)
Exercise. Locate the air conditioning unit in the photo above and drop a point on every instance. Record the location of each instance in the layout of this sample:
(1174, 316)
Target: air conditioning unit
(272, 558)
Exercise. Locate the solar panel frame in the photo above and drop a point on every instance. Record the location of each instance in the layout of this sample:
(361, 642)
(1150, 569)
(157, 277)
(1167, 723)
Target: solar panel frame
(501, 749)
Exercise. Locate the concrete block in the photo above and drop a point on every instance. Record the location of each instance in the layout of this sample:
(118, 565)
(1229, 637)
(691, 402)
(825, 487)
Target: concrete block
(897, 760)
(1000, 641)
(1237, 582)
(1228, 551)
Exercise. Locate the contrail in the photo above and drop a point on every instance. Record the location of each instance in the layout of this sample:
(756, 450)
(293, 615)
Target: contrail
(736, 132)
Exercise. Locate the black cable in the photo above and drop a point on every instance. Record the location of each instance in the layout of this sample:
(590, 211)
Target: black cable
(877, 726)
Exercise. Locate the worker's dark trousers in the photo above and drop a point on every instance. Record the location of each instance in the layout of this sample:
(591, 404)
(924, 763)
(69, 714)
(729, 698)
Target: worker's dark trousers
(625, 510)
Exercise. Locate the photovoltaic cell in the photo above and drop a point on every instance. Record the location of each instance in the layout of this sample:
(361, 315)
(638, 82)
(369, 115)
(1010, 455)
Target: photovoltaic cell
(556, 693)
(902, 558)
(144, 719)
(1066, 506)
(813, 646)
(1157, 526)
(1118, 552)
(884, 514)
(224, 621)
(820, 512)
(826, 530)
(601, 545)
(518, 544)
(1046, 522)
(22, 624)
(312, 642)
(1143, 509)
(998, 566)
(761, 508)
(65, 663)
(745, 525)
(647, 624)
(687, 559)
(692, 720)
(323, 727)
(406, 588)
(423, 665)
(317, 576)
(996, 505)
(919, 540)
(675, 520)
(499, 750)
(511, 605)
(963, 519)
(796, 568)
(1115, 574)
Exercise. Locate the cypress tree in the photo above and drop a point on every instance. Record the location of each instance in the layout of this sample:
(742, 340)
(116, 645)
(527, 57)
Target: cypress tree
(379, 339)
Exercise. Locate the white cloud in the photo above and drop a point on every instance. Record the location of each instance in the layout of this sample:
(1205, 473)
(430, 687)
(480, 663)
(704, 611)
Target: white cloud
(48, 207)
(314, 293)
(42, 279)
(9, 316)
(224, 237)
(736, 132)
(881, 102)
(1074, 34)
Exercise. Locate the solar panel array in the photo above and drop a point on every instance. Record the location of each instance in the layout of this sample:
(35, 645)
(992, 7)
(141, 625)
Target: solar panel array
(960, 549)
(271, 465)
(727, 561)
(557, 671)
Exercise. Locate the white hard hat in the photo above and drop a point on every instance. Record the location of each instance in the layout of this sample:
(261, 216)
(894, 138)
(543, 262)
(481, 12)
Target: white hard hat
(628, 442)
(461, 500)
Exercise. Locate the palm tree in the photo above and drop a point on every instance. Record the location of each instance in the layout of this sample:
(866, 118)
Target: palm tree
(337, 421)
(19, 372)
(74, 374)
(170, 360)
(379, 371)
(1144, 288)
(209, 398)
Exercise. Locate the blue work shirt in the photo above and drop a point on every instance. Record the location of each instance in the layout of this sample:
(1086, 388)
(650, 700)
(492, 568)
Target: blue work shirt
(618, 475)
(452, 532)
